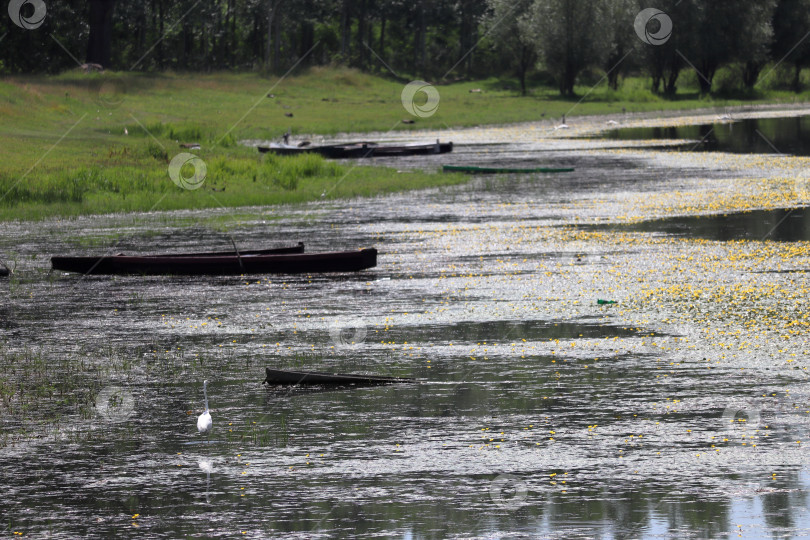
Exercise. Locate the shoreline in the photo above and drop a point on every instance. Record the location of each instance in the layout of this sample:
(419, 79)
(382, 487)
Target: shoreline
(531, 139)
(578, 125)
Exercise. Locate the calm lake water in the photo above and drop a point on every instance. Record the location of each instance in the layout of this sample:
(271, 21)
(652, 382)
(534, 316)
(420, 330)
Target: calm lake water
(755, 136)
(784, 225)
(538, 412)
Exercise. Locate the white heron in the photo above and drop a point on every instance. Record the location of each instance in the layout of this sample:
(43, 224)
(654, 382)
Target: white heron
(563, 125)
(204, 422)
(208, 468)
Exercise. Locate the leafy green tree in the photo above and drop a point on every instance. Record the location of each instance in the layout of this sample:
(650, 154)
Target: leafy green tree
(791, 25)
(99, 43)
(509, 25)
(40, 49)
(727, 31)
(664, 59)
(569, 37)
(417, 38)
(753, 44)
(617, 19)
(469, 13)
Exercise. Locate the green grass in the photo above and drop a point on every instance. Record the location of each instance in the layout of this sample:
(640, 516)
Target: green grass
(235, 177)
(66, 154)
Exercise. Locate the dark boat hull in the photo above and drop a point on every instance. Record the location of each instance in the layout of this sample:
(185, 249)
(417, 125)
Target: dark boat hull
(287, 378)
(284, 263)
(503, 170)
(362, 150)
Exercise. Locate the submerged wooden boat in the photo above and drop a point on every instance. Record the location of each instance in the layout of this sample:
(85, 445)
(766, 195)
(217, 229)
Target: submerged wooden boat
(361, 149)
(281, 261)
(286, 377)
(503, 170)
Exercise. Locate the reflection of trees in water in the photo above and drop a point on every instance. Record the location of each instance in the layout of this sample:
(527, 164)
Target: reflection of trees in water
(505, 332)
(317, 515)
(630, 510)
(620, 505)
(753, 135)
(778, 506)
(753, 224)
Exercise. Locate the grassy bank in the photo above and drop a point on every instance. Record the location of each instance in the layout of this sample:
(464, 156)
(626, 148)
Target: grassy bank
(128, 178)
(80, 144)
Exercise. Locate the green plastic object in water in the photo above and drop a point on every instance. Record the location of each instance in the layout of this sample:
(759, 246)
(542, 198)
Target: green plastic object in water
(602, 302)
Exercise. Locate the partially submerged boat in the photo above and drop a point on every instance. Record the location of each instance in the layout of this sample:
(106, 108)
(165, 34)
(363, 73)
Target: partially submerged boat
(5, 270)
(289, 260)
(503, 170)
(291, 378)
(360, 149)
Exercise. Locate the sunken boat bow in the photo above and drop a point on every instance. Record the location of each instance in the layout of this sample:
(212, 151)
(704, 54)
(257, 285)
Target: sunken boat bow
(319, 378)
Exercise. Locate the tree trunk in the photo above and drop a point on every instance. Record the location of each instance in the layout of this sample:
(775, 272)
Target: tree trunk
(705, 76)
(277, 39)
(670, 84)
(160, 35)
(569, 77)
(705, 85)
(361, 34)
(613, 69)
(522, 76)
(184, 52)
(465, 35)
(421, 41)
(570, 36)
(140, 22)
(99, 45)
(307, 40)
(471, 56)
(657, 68)
(268, 44)
(369, 40)
(216, 36)
(345, 30)
(524, 65)
(233, 47)
(797, 77)
(382, 38)
(153, 11)
(415, 56)
(751, 74)
(206, 43)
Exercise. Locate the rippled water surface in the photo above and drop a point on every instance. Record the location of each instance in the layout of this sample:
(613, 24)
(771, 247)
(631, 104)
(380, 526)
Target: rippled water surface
(679, 411)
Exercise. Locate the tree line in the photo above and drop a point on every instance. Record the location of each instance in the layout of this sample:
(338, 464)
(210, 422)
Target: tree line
(437, 40)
